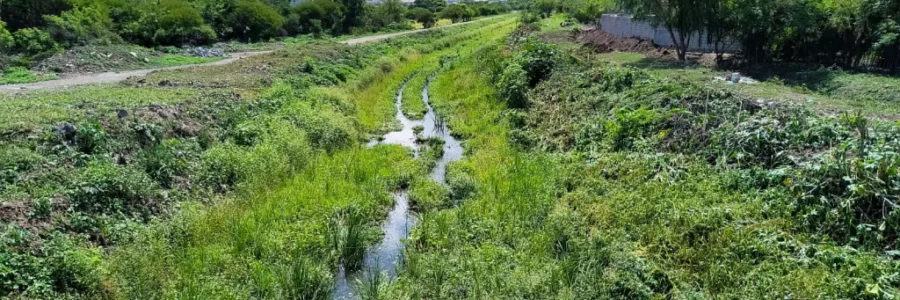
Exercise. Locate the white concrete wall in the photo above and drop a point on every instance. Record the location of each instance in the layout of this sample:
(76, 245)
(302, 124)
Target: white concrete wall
(625, 26)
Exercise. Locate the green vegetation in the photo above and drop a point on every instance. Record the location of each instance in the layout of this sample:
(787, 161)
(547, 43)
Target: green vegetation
(123, 191)
(413, 104)
(18, 75)
(34, 33)
(583, 176)
(613, 182)
(827, 90)
(423, 16)
(848, 33)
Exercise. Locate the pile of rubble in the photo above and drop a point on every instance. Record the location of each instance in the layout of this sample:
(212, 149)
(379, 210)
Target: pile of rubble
(206, 52)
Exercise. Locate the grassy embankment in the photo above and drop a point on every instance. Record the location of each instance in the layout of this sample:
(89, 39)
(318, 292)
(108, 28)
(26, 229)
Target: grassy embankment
(614, 182)
(249, 164)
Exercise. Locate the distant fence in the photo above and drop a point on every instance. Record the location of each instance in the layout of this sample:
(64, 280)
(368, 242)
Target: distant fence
(624, 26)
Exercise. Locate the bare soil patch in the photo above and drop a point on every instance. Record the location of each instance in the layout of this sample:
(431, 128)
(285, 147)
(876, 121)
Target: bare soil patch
(604, 42)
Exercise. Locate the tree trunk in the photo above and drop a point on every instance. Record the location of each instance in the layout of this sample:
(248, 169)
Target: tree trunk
(680, 47)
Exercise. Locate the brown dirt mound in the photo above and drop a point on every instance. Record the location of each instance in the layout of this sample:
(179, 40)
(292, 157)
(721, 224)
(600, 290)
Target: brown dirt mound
(605, 42)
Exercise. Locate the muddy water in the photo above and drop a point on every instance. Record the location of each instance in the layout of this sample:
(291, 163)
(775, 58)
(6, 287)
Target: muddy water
(383, 259)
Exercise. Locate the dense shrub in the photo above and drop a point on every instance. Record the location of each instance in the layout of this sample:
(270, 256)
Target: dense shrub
(386, 14)
(90, 138)
(513, 86)
(312, 16)
(6, 40)
(181, 24)
(434, 6)
(457, 13)
(81, 26)
(73, 268)
(35, 42)
(224, 166)
(168, 161)
(16, 162)
(21, 14)
(107, 189)
(538, 59)
(172, 22)
(254, 20)
(589, 11)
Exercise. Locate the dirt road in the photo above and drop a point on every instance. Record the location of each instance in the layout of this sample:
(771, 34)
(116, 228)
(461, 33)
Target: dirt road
(112, 77)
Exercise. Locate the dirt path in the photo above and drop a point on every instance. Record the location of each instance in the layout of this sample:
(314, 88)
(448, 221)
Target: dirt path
(112, 77)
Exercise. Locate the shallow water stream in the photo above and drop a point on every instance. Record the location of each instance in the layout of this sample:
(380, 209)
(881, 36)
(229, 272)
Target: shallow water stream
(383, 258)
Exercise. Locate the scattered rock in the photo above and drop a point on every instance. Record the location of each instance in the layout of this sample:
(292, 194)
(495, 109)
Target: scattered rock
(66, 130)
(122, 114)
(206, 52)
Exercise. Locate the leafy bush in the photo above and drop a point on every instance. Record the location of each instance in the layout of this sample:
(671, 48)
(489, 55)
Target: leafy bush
(7, 43)
(224, 166)
(73, 268)
(170, 22)
(513, 86)
(325, 129)
(589, 11)
(431, 5)
(304, 16)
(21, 14)
(90, 138)
(538, 60)
(108, 189)
(253, 20)
(181, 24)
(81, 26)
(22, 271)
(35, 42)
(457, 13)
(167, 161)
(14, 161)
(388, 13)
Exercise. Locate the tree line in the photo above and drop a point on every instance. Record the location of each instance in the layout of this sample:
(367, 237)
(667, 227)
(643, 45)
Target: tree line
(845, 32)
(41, 28)
(842, 31)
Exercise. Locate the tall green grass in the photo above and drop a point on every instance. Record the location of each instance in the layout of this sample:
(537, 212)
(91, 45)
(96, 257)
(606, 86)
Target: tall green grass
(274, 242)
(303, 208)
(622, 224)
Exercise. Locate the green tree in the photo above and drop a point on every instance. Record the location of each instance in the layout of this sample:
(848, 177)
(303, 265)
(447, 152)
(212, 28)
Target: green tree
(682, 18)
(354, 14)
(387, 13)
(254, 20)
(431, 5)
(587, 11)
(166, 22)
(34, 42)
(422, 15)
(457, 13)
(545, 7)
(304, 16)
(81, 26)
(21, 14)
(6, 39)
